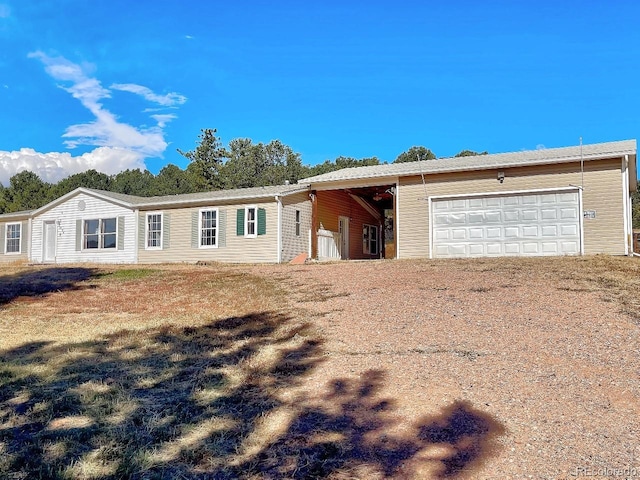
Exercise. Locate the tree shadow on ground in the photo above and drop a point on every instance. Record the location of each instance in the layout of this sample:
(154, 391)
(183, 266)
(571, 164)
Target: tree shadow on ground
(36, 283)
(222, 401)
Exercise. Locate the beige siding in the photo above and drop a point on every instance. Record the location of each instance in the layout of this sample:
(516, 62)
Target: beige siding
(292, 244)
(602, 193)
(21, 257)
(236, 249)
(335, 203)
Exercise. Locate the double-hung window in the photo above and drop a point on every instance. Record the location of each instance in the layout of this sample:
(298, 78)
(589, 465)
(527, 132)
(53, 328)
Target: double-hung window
(297, 223)
(13, 237)
(250, 229)
(100, 233)
(208, 228)
(154, 231)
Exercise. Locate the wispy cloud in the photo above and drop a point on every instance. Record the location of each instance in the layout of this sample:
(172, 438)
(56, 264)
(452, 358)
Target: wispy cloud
(168, 100)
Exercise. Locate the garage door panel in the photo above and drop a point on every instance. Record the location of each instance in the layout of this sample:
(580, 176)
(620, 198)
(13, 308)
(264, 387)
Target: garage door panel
(546, 223)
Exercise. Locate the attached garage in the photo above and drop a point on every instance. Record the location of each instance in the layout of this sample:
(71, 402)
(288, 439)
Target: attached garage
(515, 224)
(556, 201)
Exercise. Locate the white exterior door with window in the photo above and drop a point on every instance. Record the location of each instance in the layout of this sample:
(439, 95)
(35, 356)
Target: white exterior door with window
(49, 247)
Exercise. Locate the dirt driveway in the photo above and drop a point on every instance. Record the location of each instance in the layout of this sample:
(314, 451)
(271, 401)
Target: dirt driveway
(535, 359)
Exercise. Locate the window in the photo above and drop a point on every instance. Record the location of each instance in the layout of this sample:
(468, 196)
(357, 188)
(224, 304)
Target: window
(250, 222)
(154, 230)
(297, 223)
(14, 232)
(370, 239)
(100, 233)
(208, 228)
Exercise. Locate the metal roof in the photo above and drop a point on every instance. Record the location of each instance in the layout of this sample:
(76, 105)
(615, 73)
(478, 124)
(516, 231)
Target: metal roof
(482, 162)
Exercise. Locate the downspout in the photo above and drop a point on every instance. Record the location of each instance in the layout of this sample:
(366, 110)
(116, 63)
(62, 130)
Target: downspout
(279, 242)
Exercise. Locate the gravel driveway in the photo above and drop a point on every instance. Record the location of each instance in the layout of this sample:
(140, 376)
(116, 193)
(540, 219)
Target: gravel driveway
(512, 369)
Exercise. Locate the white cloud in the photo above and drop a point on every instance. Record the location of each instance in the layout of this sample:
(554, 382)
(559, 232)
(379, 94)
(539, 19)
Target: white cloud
(168, 100)
(120, 145)
(54, 166)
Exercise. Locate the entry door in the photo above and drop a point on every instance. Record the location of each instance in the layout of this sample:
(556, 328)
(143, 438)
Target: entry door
(49, 241)
(343, 228)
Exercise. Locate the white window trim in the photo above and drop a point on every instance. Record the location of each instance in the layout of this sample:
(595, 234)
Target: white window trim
(6, 239)
(146, 230)
(246, 221)
(83, 248)
(217, 237)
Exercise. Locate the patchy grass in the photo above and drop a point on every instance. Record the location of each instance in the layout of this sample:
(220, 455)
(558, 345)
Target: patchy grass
(192, 372)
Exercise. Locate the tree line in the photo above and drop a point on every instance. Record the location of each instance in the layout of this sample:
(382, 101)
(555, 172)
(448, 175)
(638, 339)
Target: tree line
(212, 166)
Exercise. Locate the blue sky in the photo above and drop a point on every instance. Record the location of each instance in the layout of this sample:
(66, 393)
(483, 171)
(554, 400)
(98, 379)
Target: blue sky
(114, 84)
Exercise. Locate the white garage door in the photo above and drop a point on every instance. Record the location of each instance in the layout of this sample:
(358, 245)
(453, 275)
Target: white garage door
(546, 223)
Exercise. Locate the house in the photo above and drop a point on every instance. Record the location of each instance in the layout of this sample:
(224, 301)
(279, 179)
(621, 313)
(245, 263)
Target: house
(560, 201)
(254, 225)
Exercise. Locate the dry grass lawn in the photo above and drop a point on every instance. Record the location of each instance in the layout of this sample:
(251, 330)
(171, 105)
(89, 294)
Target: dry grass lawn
(501, 368)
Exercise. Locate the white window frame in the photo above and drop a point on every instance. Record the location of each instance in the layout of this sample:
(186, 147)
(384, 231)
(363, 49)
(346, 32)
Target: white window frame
(100, 233)
(146, 230)
(254, 221)
(298, 221)
(366, 242)
(6, 238)
(216, 236)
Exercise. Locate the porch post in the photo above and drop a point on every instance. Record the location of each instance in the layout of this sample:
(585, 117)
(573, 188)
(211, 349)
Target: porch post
(314, 224)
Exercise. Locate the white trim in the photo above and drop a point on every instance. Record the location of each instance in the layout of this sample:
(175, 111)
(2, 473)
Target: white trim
(29, 239)
(136, 235)
(581, 218)
(146, 230)
(100, 234)
(6, 239)
(625, 203)
(55, 242)
(279, 230)
(246, 221)
(396, 218)
(217, 235)
(430, 213)
(505, 194)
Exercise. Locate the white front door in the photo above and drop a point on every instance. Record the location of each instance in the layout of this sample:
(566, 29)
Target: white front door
(343, 228)
(49, 242)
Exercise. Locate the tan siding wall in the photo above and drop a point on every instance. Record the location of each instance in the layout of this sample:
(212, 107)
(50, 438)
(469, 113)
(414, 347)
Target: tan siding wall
(292, 244)
(238, 249)
(335, 203)
(21, 257)
(602, 193)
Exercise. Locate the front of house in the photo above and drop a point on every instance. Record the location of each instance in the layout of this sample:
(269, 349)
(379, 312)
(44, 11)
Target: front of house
(563, 201)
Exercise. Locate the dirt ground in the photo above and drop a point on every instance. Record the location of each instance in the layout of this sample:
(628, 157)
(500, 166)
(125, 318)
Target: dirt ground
(458, 369)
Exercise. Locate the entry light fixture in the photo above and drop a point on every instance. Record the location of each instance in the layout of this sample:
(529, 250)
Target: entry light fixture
(501, 176)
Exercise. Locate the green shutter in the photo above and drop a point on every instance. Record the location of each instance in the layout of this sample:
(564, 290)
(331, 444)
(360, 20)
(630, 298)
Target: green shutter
(24, 236)
(262, 221)
(222, 228)
(120, 233)
(166, 232)
(78, 235)
(240, 222)
(194, 229)
(4, 239)
(142, 228)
